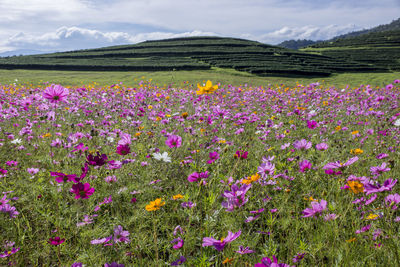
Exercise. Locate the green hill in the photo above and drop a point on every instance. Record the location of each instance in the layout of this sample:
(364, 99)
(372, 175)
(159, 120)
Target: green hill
(381, 49)
(193, 53)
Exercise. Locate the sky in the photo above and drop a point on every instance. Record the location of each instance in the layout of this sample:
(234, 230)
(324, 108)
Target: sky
(64, 25)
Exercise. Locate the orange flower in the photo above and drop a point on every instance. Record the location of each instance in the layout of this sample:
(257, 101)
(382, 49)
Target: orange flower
(207, 89)
(178, 196)
(155, 205)
(355, 186)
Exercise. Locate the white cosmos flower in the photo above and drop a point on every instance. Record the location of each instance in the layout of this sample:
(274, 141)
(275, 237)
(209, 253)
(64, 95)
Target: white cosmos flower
(16, 141)
(397, 123)
(110, 139)
(164, 156)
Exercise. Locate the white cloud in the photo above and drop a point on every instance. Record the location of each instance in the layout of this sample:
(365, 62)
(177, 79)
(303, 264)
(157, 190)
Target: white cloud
(309, 32)
(72, 38)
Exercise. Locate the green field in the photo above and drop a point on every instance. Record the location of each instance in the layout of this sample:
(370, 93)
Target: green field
(184, 78)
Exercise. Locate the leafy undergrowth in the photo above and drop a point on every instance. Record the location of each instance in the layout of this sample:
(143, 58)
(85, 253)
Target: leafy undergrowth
(241, 176)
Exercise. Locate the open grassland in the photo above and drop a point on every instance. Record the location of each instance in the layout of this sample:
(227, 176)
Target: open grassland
(146, 175)
(184, 78)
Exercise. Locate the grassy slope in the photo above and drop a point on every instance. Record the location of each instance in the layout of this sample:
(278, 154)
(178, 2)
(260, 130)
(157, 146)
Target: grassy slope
(224, 76)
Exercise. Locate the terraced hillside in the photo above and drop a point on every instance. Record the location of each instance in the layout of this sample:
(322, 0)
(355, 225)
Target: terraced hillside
(381, 49)
(193, 53)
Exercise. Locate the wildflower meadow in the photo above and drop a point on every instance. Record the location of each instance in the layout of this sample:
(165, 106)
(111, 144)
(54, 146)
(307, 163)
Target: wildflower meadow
(211, 175)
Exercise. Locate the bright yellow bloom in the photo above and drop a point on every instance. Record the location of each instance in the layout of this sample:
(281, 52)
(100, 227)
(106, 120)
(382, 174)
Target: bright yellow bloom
(46, 135)
(356, 151)
(251, 179)
(208, 89)
(372, 217)
(184, 115)
(338, 128)
(354, 132)
(155, 205)
(355, 186)
(178, 196)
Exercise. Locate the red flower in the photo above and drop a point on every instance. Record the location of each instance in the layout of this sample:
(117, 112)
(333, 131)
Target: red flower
(56, 241)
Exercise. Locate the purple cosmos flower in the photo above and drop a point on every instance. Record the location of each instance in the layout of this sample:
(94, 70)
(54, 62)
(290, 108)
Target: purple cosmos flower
(55, 93)
(12, 211)
(304, 165)
(101, 240)
(8, 253)
(387, 186)
(378, 170)
(188, 204)
(98, 160)
(382, 156)
(330, 217)
(364, 229)
(32, 171)
(322, 146)
(77, 264)
(56, 241)
(298, 257)
(177, 228)
(178, 243)
(267, 262)
(337, 164)
(240, 154)
(245, 250)
(123, 150)
(213, 157)
(220, 244)
(174, 141)
(120, 235)
(392, 200)
(179, 261)
(83, 191)
(316, 208)
(266, 168)
(125, 139)
(302, 144)
(235, 198)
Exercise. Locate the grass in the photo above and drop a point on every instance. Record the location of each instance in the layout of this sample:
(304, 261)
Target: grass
(184, 78)
(143, 144)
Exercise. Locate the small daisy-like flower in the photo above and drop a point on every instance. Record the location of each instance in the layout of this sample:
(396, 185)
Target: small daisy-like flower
(155, 205)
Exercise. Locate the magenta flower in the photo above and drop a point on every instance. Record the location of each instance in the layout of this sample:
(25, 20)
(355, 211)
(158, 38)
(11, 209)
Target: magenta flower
(195, 177)
(113, 264)
(12, 211)
(80, 147)
(213, 157)
(235, 198)
(220, 244)
(98, 160)
(174, 141)
(312, 124)
(123, 150)
(55, 93)
(63, 178)
(337, 164)
(316, 208)
(8, 253)
(178, 243)
(101, 240)
(298, 257)
(56, 241)
(32, 171)
(304, 165)
(240, 154)
(83, 191)
(266, 168)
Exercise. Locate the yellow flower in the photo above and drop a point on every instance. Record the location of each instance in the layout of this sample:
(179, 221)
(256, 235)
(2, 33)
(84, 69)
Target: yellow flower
(251, 179)
(351, 240)
(155, 205)
(356, 151)
(178, 196)
(354, 132)
(208, 89)
(338, 128)
(150, 107)
(184, 115)
(372, 216)
(46, 135)
(355, 186)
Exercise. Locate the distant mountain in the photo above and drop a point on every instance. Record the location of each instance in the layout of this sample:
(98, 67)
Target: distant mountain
(297, 44)
(192, 53)
(20, 52)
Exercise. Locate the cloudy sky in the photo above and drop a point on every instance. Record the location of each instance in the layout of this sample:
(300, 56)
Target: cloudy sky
(61, 25)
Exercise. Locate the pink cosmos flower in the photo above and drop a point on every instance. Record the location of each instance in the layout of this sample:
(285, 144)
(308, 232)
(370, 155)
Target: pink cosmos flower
(83, 191)
(220, 244)
(392, 200)
(9, 252)
(123, 150)
(245, 250)
(63, 178)
(174, 141)
(55, 93)
(322, 146)
(316, 208)
(378, 170)
(302, 144)
(304, 165)
(213, 157)
(56, 241)
(178, 243)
